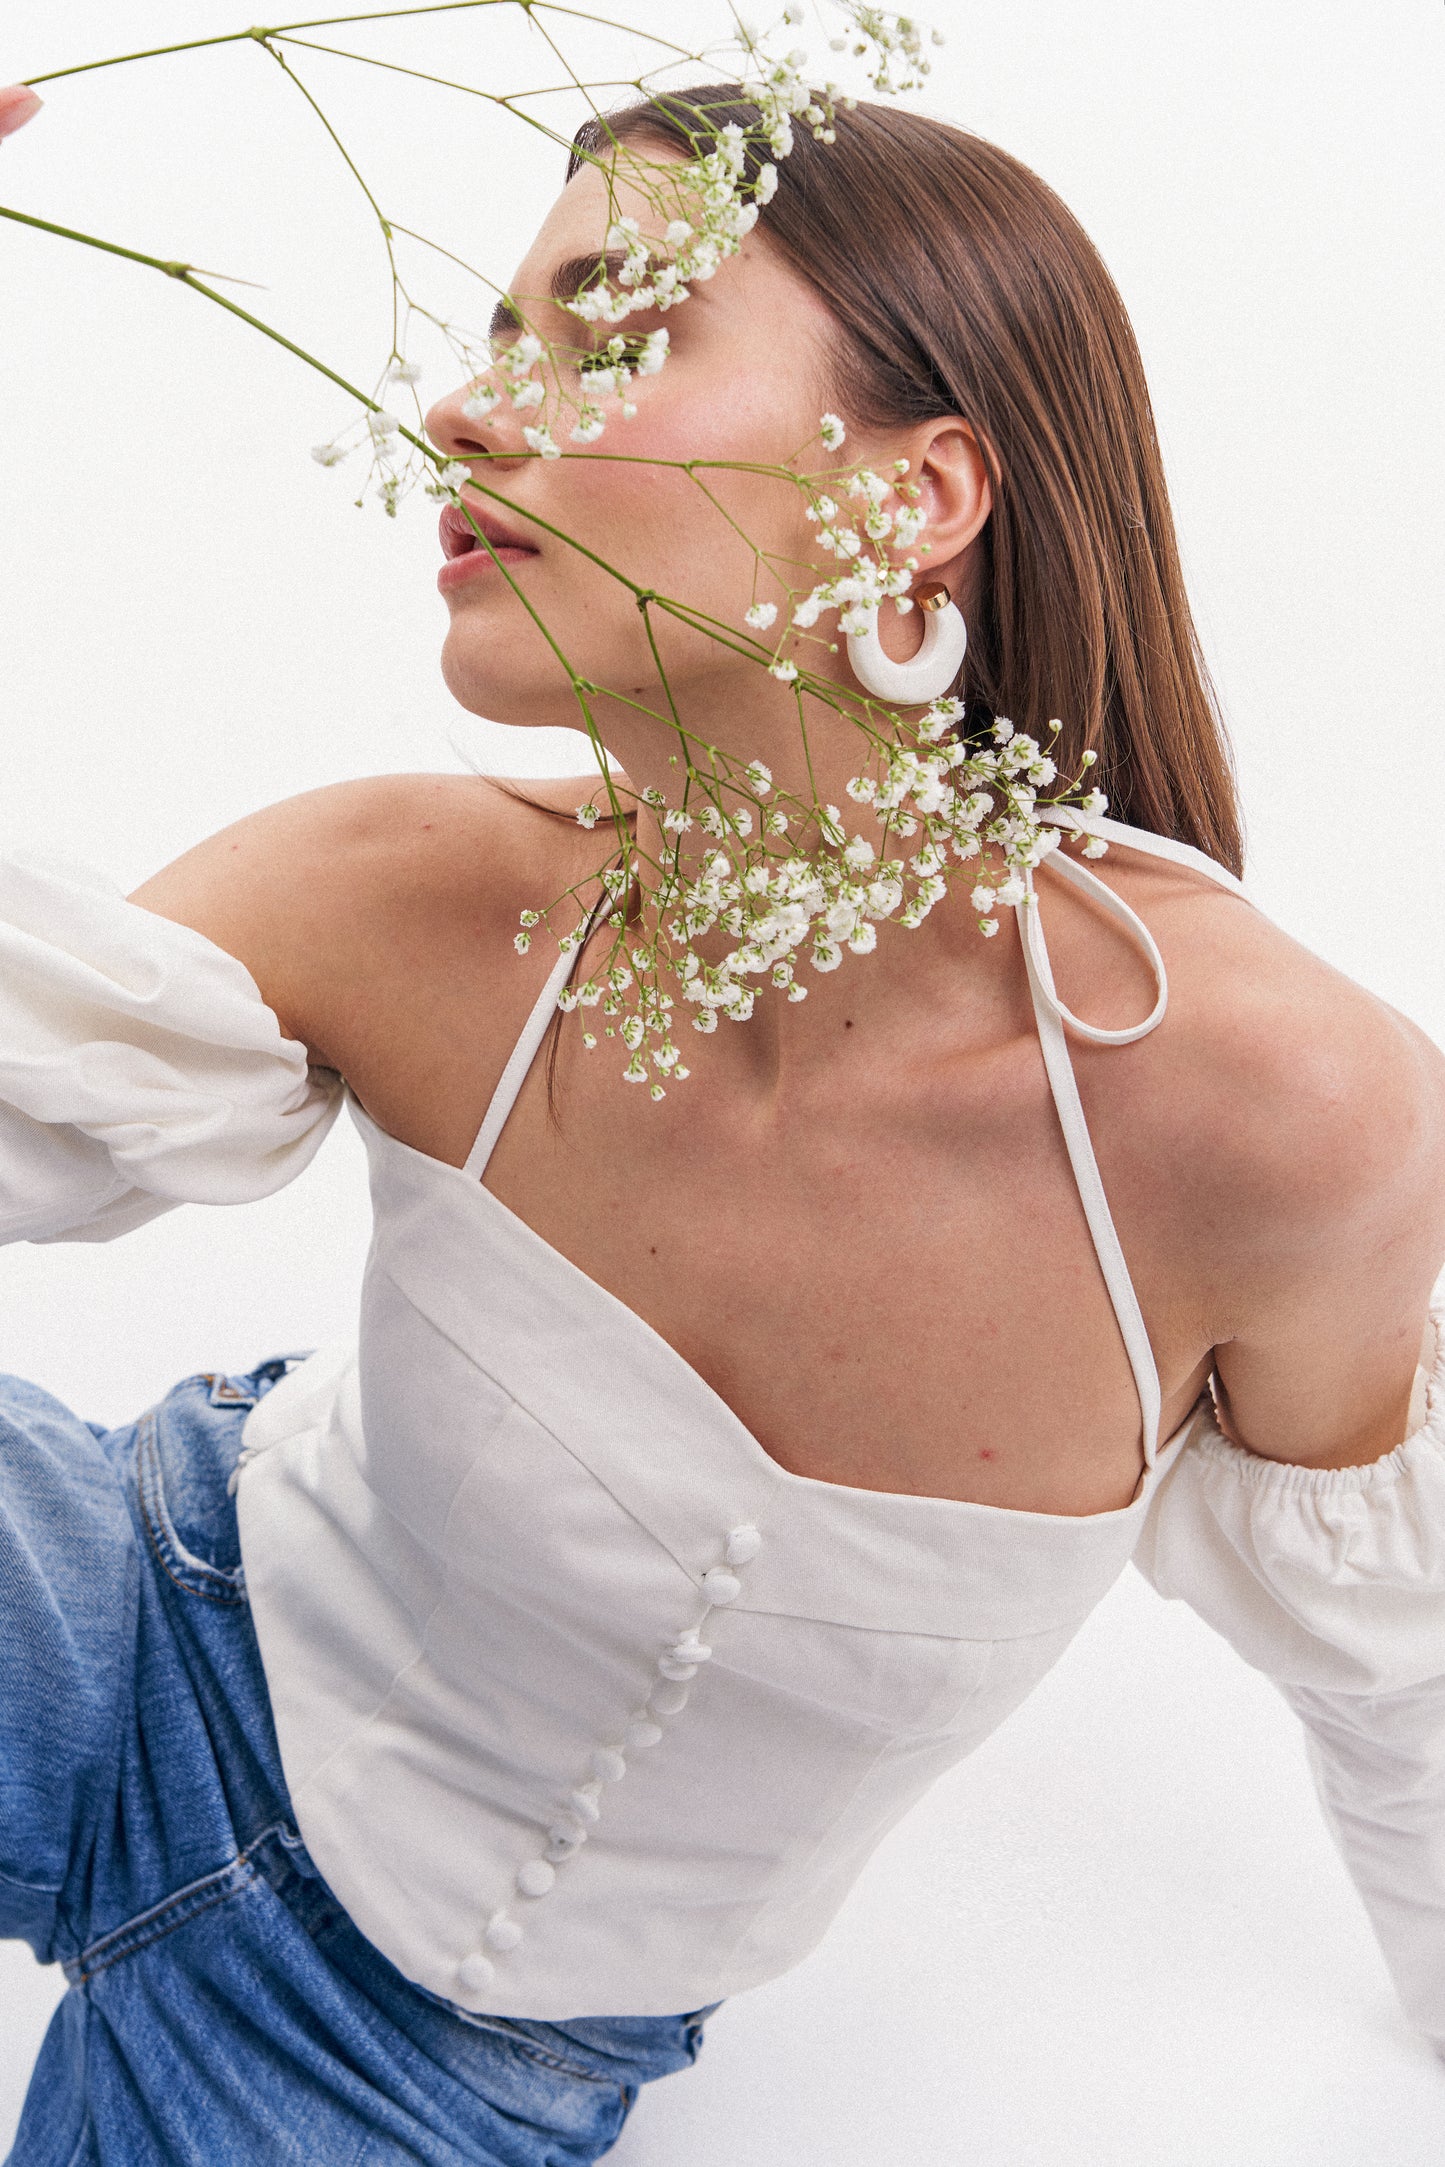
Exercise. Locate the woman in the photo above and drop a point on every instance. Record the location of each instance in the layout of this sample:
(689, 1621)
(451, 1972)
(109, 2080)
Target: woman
(599, 1619)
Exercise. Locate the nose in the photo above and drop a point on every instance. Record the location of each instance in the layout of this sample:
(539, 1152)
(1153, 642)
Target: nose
(498, 439)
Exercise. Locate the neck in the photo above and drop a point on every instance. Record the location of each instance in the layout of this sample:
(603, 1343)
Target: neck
(941, 969)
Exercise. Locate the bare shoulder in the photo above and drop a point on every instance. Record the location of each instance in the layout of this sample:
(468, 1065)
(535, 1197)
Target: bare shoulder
(331, 896)
(1293, 1106)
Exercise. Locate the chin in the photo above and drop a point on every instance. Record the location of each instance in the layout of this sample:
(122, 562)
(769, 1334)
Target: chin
(501, 696)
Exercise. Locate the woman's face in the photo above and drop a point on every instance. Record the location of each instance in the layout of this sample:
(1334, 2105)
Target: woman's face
(745, 381)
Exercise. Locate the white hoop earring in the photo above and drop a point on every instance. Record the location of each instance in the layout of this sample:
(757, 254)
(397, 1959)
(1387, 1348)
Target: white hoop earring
(932, 670)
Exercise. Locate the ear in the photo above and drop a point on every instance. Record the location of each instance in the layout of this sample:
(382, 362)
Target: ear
(955, 494)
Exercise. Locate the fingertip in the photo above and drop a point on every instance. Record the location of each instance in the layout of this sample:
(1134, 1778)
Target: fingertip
(18, 104)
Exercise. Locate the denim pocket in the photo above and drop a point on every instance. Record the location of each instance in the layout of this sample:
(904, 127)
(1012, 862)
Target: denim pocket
(182, 1461)
(187, 1448)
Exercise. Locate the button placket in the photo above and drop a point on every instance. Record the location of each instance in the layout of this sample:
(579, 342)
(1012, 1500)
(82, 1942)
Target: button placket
(677, 1666)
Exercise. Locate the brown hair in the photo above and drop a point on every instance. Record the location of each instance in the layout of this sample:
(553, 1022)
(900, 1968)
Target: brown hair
(963, 285)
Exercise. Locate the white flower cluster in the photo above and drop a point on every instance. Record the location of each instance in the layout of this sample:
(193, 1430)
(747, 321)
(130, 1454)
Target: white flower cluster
(714, 200)
(395, 461)
(956, 806)
(862, 541)
(721, 200)
(895, 44)
(724, 207)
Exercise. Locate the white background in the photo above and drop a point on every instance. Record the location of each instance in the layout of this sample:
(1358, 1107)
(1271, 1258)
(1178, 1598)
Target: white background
(1117, 1935)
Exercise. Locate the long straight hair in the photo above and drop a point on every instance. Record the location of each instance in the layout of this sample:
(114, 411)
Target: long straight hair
(962, 285)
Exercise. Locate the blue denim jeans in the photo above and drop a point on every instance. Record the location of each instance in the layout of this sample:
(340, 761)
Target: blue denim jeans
(222, 2007)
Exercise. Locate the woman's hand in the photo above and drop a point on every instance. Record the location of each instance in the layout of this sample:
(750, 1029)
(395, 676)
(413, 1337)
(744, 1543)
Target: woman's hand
(18, 103)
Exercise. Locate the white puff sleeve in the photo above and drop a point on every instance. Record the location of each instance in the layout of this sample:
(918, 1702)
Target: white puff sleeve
(1332, 1582)
(140, 1067)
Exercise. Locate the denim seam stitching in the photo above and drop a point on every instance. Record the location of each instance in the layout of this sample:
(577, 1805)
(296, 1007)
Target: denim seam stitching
(501, 2029)
(239, 1875)
(163, 1537)
(240, 1867)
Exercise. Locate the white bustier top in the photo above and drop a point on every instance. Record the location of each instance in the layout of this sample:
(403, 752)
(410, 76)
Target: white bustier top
(586, 1705)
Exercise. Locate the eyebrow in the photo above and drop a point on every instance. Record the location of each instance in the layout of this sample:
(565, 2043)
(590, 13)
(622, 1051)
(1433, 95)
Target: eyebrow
(573, 275)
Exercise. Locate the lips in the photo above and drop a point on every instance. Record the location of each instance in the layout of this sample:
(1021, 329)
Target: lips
(458, 532)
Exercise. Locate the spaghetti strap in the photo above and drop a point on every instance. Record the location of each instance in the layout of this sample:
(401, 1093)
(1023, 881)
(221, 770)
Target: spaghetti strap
(1049, 1014)
(1143, 840)
(1054, 1020)
(494, 1120)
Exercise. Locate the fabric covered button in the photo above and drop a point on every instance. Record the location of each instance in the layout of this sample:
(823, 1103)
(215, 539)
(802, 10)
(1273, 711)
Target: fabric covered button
(502, 1933)
(689, 1649)
(671, 1668)
(608, 1764)
(567, 1831)
(536, 1877)
(668, 1700)
(719, 1586)
(560, 1848)
(744, 1543)
(476, 1973)
(584, 1801)
(641, 1734)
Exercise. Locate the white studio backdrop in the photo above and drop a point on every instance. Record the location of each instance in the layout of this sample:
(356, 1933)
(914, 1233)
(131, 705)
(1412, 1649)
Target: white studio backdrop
(1118, 1935)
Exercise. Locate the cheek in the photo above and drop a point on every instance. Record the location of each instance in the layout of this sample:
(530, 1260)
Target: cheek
(687, 512)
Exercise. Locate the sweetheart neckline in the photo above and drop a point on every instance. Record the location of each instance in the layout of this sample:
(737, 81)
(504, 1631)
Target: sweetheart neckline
(700, 1387)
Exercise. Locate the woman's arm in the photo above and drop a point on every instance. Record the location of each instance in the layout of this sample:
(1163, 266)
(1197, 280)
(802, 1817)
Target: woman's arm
(1335, 1196)
(1310, 1531)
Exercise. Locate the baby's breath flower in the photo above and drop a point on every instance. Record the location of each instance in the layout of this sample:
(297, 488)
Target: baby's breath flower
(831, 430)
(540, 440)
(328, 455)
(587, 816)
(785, 672)
(448, 480)
(761, 615)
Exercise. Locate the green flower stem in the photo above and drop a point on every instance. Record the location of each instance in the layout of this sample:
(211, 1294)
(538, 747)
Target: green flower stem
(259, 34)
(184, 274)
(506, 101)
(355, 171)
